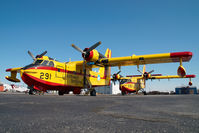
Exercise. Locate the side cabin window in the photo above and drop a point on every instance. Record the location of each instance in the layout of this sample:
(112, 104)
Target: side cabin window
(123, 81)
(51, 64)
(128, 80)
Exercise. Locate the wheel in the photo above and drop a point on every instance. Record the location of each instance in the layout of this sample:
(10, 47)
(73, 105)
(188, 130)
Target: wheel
(123, 93)
(93, 92)
(61, 93)
(32, 91)
(144, 92)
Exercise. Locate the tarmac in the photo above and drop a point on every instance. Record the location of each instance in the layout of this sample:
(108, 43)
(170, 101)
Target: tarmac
(25, 113)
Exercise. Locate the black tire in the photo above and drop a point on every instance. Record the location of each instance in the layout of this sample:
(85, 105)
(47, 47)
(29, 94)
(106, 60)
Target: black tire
(123, 93)
(93, 92)
(32, 91)
(61, 93)
(144, 92)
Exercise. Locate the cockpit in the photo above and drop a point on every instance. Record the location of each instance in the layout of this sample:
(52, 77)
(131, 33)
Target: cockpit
(40, 63)
(44, 63)
(122, 81)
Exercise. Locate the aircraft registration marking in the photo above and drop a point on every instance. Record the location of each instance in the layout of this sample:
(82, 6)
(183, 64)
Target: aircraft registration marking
(45, 75)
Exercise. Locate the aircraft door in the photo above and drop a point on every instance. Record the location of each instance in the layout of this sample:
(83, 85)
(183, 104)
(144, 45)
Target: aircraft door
(60, 73)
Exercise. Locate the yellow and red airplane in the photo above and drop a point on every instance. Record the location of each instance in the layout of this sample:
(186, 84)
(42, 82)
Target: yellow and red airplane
(46, 73)
(134, 83)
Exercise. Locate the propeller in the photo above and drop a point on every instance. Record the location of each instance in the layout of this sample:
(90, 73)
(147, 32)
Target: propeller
(116, 77)
(86, 53)
(38, 56)
(146, 74)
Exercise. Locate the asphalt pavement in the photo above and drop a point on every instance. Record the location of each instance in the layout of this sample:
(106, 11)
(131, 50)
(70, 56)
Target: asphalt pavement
(22, 113)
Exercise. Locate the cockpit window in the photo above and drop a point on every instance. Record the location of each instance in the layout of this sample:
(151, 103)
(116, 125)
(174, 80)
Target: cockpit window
(123, 81)
(128, 80)
(38, 62)
(45, 63)
(51, 64)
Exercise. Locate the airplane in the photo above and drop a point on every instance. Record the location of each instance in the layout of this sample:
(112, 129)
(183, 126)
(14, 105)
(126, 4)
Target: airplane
(45, 73)
(134, 83)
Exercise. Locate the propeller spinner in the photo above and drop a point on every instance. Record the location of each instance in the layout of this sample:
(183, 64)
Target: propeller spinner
(116, 77)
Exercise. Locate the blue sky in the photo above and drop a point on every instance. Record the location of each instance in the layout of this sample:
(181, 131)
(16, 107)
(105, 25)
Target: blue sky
(125, 26)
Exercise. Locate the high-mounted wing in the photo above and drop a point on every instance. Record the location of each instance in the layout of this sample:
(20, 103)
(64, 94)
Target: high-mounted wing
(172, 76)
(147, 59)
(13, 74)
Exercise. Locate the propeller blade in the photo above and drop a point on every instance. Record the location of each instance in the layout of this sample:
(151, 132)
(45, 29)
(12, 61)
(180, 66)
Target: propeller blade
(31, 55)
(78, 49)
(94, 46)
(118, 72)
(43, 53)
(139, 71)
(151, 71)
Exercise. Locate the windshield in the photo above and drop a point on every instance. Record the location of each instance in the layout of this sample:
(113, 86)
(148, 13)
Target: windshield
(40, 63)
(123, 81)
(45, 63)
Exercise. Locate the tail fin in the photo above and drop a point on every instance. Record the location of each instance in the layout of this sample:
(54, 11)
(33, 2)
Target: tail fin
(105, 71)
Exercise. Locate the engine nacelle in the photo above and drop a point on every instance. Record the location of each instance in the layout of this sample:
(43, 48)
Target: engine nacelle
(181, 71)
(117, 77)
(146, 75)
(91, 56)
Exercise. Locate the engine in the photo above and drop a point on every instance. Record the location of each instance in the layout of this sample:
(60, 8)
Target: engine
(91, 56)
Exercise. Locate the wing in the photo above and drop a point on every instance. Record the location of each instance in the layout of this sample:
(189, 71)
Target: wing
(13, 76)
(172, 76)
(147, 59)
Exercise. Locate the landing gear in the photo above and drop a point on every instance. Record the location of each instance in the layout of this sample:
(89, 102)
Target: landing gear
(32, 91)
(61, 93)
(123, 92)
(93, 92)
(144, 92)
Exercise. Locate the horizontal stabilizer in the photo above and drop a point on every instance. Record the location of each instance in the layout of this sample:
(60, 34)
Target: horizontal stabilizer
(12, 79)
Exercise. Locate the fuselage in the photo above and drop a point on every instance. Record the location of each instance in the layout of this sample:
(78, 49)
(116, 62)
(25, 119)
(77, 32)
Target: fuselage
(46, 74)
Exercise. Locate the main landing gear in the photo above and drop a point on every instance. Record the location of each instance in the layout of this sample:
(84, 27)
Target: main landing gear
(93, 92)
(61, 93)
(32, 91)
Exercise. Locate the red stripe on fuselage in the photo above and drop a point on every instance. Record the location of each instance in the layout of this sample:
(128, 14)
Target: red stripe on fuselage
(62, 70)
(46, 85)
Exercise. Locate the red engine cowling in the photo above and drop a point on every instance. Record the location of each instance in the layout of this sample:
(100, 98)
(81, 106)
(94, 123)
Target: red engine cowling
(91, 56)
(181, 71)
